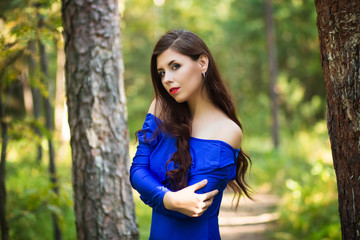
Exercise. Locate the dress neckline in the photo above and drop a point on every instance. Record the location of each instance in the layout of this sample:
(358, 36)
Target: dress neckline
(215, 140)
(204, 139)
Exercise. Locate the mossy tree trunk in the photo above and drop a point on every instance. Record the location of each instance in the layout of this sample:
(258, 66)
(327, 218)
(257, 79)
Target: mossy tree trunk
(104, 206)
(339, 33)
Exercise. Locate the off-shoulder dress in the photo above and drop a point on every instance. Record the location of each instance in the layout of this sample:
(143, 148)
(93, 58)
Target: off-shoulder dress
(213, 160)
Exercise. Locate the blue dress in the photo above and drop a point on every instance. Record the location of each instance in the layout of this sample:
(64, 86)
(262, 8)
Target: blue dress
(213, 160)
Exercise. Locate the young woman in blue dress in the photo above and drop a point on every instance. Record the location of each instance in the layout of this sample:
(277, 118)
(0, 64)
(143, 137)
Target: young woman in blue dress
(190, 144)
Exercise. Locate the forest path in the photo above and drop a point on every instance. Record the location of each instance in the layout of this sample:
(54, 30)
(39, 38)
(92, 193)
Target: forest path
(251, 221)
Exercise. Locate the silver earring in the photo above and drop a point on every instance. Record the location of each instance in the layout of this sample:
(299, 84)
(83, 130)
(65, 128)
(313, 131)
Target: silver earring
(203, 74)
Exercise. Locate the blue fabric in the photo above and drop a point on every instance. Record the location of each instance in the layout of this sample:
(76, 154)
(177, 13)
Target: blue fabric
(213, 160)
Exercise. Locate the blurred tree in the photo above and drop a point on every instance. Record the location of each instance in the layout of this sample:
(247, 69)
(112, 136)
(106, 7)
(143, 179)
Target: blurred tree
(27, 23)
(104, 206)
(35, 92)
(339, 33)
(9, 55)
(48, 123)
(4, 137)
(273, 69)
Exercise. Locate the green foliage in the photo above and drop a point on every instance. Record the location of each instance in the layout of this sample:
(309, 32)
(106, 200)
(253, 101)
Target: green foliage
(301, 172)
(30, 197)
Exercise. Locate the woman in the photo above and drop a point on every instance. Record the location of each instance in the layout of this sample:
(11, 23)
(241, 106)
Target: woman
(189, 146)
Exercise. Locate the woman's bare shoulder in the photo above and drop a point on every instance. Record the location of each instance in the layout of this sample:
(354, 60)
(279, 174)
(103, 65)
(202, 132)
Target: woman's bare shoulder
(229, 132)
(152, 107)
(155, 107)
(219, 127)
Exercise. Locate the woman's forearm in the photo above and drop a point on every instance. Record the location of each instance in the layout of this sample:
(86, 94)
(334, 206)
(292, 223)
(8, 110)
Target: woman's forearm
(187, 202)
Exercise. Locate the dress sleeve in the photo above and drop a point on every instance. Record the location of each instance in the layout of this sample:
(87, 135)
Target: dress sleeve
(150, 188)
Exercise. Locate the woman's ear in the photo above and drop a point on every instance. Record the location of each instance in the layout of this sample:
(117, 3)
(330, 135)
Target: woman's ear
(203, 61)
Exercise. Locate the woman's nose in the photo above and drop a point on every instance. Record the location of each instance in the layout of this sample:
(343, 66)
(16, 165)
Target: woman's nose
(168, 78)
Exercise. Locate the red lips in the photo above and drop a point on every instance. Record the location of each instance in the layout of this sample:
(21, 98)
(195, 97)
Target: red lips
(174, 90)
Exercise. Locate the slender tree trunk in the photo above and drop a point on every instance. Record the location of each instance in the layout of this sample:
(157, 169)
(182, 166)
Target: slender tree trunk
(35, 92)
(339, 33)
(4, 136)
(49, 127)
(271, 45)
(28, 103)
(60, 89)
(104, 206)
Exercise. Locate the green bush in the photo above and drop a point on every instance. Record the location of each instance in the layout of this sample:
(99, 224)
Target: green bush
(30, 198)
(301, 173)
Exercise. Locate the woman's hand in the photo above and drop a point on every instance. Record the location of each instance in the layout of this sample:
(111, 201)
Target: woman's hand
(187, 202)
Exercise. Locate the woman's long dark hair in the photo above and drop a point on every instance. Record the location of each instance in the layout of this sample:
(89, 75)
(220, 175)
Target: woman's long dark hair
(176, 116)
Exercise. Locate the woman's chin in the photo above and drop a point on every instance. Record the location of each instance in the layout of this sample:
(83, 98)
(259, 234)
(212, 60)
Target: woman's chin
(179, 100)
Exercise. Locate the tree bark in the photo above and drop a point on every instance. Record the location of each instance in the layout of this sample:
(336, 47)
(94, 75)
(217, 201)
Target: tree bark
(104, 206)
(339, 33)
(4, 136)
(273, 68)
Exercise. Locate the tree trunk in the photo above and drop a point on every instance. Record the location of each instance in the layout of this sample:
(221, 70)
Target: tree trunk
(49, 127)
(4, 136)
(339, 33)
(104, 206)
(35, 92)
(60, 92)
(271, 45)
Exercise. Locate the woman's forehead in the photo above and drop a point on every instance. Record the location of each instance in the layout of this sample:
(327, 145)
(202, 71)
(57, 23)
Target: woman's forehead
(168, 56)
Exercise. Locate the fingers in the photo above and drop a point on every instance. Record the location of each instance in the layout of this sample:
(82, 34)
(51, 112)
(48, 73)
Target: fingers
(209, 195)
(199, 185)
(201, 209)
(208, 203)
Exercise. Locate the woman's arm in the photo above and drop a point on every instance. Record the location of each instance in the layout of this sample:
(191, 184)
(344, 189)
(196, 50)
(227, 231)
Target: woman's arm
(191, 201)
(150, 188)
(194, 200)
(188, 202)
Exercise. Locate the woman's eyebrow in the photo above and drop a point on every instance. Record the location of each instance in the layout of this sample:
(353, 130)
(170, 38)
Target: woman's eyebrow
(171, 62)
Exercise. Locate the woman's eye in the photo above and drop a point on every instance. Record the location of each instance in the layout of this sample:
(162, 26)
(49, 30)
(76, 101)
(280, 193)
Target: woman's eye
(161, 74)
(175, 66)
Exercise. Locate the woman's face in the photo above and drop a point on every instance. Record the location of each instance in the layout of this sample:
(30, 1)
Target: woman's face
(180, 75)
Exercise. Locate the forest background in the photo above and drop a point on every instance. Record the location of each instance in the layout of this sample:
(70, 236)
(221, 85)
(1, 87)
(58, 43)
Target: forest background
(299, 170)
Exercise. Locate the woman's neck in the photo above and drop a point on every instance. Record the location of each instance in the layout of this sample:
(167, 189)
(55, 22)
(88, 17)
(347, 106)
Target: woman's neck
(201, 106)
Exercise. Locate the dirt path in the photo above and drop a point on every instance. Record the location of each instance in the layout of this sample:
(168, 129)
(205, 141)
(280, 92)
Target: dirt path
(251, 221)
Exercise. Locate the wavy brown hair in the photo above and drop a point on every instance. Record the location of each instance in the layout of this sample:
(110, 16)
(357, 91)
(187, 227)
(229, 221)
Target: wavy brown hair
(176, 117)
